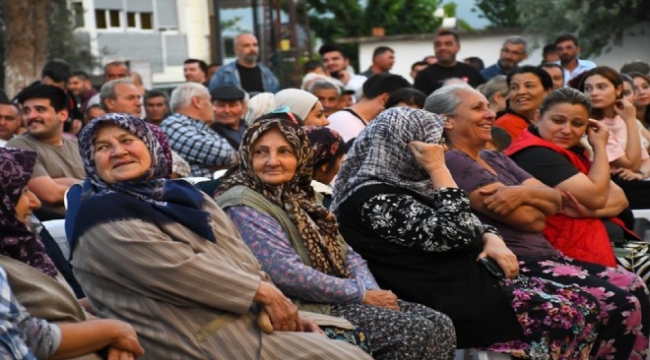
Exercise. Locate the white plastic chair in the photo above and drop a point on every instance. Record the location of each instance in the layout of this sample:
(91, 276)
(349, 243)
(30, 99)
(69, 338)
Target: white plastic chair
(219, 173)
(642, 213)
(56, 228)
(488, 355)
(194, 180)
(465, 354)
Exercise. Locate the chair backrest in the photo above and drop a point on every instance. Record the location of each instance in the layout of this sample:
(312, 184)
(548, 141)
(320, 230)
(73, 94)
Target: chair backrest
(56, 228)
(219, 173)
(194, 180)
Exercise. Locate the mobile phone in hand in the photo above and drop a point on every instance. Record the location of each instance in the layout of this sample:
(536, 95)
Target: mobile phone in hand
(492, 267)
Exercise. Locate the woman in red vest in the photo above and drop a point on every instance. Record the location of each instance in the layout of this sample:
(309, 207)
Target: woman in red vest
(528, 86)
(551, 152)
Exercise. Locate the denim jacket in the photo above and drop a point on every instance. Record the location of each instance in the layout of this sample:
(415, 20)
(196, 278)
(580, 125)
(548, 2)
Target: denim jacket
(228, 75)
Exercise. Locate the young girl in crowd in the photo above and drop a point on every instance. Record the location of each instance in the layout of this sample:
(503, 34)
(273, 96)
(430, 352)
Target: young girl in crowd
(629, 162)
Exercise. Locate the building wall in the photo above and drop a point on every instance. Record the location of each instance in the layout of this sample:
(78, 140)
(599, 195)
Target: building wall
(131, 46)
(487, 47)
(180, 31)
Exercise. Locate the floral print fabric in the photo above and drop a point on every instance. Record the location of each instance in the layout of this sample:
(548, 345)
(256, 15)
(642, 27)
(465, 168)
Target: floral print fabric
(402, 334)
(624, 330)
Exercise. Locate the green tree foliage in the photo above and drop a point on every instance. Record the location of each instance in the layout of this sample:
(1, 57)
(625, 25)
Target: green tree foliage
(595, 22)
(335, 19)
(450, 11)
(331, 20)
(402, 16)
(500, 13)
(63, 43)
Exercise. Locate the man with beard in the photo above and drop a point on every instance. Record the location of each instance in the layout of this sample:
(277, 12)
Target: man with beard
(337, 64)
(568, 48)
(446, 47)
(246, 72)
(512, 53)
(58, 163)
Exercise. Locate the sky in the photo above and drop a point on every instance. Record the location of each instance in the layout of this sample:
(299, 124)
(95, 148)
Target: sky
(463, 11)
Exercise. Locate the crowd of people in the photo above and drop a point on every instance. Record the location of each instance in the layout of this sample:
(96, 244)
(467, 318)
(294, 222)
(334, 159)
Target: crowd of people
(361, 215)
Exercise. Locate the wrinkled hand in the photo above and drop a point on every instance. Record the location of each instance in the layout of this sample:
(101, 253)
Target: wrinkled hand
(311, 326)
(626, 110)
(126, 342)
(381, 298)
(430, 156)
(597, 134)
(496, 249)
(627, 174)
(282, 312)
(501, 199)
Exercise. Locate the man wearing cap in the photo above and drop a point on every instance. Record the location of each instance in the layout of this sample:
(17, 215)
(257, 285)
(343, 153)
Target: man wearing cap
(228, 103)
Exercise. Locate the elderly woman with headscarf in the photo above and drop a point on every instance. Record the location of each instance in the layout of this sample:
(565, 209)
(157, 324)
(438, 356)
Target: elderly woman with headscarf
(399, 207)
(304, 104)
(161, 255)
(29, 291)
(297, 241)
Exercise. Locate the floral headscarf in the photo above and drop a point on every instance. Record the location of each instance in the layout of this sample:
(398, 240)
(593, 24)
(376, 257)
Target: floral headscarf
(380, 154)
(317, 226)
(17, 241)
(171, 200)
(325, 144)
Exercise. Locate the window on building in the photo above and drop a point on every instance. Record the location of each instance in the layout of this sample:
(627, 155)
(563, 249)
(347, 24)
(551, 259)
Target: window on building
(146, 21)
(130, 20)
(100, 19)
(78, 12)
(115, 18)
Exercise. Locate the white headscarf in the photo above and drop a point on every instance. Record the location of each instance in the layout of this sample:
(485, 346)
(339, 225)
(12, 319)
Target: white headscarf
(300, 102)
(259, 105)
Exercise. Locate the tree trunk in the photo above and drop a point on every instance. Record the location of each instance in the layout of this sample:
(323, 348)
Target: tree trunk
(26, 42)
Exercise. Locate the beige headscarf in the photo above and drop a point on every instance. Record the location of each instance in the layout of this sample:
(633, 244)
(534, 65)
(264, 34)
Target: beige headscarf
(300, 102)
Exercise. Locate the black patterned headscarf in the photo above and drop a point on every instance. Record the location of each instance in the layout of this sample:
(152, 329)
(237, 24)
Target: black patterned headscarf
(317, 225)
(380, 154)
(16, 240)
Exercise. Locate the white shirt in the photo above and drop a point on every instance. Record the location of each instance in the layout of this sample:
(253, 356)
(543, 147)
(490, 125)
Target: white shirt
(583, 65)
(346, 124)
